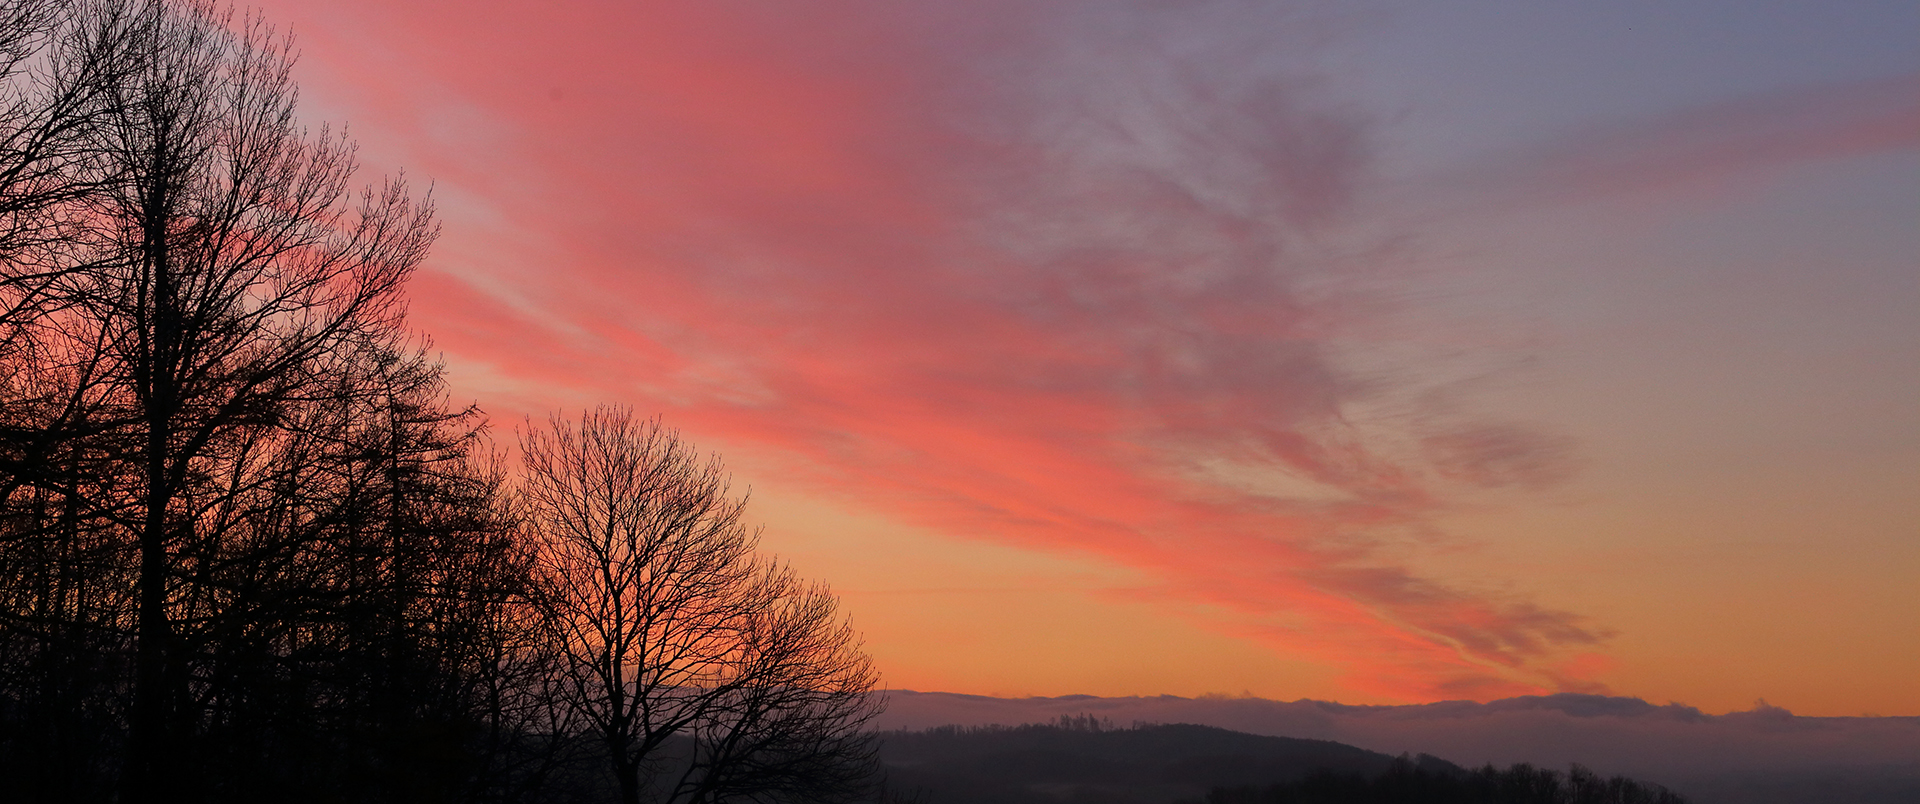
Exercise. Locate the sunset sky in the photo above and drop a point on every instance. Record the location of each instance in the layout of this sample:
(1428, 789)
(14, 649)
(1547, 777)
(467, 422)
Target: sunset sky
(1366, 351)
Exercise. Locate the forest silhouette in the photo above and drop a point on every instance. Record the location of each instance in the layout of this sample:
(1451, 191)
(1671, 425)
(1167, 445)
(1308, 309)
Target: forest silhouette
(249, 550)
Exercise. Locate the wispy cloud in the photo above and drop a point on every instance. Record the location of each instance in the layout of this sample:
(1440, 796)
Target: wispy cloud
(1025, 273)
(1698, 150)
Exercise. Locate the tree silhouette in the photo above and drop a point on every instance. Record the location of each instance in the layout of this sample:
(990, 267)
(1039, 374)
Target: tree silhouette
(250, 551)
(218, 459)
(236, 278)
(672, 628)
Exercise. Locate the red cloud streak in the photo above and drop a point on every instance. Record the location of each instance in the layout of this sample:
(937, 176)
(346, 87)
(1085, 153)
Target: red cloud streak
(1009, 270)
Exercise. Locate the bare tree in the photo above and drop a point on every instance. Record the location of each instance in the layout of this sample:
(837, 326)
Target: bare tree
(189, 275)
(59, 64)
(248, 549)
(245, 276)
(708, 672)
(64, 579)
(792, 725)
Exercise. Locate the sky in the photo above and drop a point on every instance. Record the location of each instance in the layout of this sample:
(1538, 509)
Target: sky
(1373, 351)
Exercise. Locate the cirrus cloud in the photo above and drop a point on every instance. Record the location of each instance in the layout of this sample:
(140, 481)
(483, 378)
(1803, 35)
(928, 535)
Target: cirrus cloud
(1026, 273)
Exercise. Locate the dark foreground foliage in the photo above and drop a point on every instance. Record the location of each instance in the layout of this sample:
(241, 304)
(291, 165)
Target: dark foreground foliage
(1408, 783)
(249, 549)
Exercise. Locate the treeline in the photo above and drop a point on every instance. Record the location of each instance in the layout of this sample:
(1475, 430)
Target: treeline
(249, 551)
(1080, 723)
(1407, 782)
(1085, 760)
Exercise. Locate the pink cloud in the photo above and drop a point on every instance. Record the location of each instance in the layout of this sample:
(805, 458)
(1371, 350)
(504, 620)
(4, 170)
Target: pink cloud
(1501, 455)
(1702, 148)
(1000, 269)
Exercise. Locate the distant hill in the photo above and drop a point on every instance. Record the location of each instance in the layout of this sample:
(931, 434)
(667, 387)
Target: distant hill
(1767, 755)
(1083, 761)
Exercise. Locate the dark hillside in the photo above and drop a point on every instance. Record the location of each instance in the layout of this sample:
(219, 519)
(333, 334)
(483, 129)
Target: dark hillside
(1079, 761)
